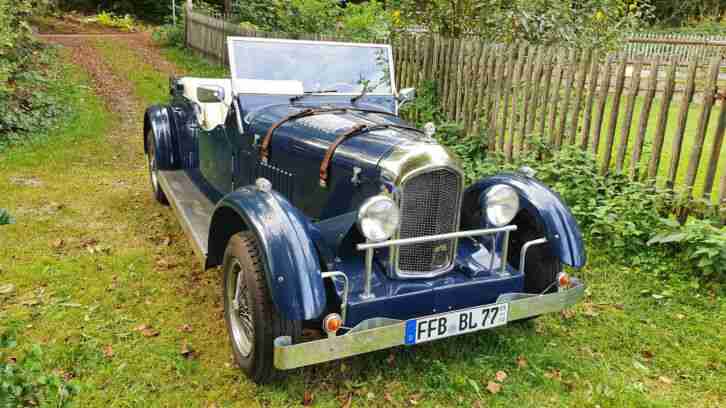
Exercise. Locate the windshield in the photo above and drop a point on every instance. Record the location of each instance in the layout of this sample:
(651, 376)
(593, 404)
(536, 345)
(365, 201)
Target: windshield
(321, 67)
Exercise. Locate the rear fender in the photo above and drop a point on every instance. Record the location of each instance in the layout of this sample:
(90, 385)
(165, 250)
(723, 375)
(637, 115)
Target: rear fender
(284, 234)
(157, 119)
(561, 229)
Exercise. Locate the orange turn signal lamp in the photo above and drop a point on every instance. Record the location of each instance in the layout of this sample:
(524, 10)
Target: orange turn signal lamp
(563, 280)
(332, 323)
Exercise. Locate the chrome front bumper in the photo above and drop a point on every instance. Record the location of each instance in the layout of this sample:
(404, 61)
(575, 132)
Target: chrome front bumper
(381, 333)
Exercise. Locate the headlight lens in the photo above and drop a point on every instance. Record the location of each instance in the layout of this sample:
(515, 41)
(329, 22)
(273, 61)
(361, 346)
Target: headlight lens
(501, 204)
(378, 218)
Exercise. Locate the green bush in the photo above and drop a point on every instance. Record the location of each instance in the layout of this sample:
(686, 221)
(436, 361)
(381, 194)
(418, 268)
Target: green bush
(699, 243)
(24, 105)
(581, 23)
(24, 382)
(5, 217)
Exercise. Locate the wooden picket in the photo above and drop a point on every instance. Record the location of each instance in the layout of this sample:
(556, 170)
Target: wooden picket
(511, 93)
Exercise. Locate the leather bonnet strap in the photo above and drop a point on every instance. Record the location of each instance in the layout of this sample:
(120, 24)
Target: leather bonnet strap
(325, 165)
(265, 147)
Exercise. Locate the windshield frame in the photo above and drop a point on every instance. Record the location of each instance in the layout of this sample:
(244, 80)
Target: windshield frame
(231, 41)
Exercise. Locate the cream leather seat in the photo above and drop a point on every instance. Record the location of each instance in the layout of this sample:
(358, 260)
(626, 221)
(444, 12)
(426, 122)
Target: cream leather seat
(212, 114)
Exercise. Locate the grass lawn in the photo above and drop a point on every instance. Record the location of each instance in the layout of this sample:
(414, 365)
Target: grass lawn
(107, 285)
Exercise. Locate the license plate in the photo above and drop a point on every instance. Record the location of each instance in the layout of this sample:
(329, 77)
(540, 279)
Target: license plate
(454, 323)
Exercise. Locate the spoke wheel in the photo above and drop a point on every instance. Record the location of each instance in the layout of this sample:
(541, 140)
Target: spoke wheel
(242, 330)
(251, 317)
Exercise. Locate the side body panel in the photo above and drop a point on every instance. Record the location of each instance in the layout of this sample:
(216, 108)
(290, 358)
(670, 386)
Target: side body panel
(561, 227)
(291, 259)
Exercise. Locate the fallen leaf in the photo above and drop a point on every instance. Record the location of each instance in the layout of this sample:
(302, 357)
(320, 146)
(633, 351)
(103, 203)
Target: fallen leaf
(58, 243)
(108, 351)
(521, 362)
(348, 402)
(553, 374)
(187, 351)
(186, 328)
(150, 332)
(308, 398)
(500, 376)
(146, 330)
(567, 313)
(413, 399)
(647, 354)
(7, 289)
(665, 380)
(493, 387)
(387, 397)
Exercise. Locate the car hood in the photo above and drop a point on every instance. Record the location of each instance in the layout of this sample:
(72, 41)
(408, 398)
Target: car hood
(311, 136)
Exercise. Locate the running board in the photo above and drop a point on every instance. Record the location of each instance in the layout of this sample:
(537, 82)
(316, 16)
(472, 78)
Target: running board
(193, 209)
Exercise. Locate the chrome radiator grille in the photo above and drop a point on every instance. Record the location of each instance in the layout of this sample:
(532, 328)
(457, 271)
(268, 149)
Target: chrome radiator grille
(430, 204)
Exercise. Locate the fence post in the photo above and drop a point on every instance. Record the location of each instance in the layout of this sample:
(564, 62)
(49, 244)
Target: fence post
(614, 113)
(662, 120)
(709, 94)
(682, 121)
(625, 128)
(716, 148)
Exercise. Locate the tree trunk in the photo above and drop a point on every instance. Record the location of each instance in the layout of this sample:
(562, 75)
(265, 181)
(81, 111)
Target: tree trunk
(227, 7)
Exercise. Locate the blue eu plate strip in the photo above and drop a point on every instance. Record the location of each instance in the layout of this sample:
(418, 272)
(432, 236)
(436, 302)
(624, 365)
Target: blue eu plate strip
(410, 332)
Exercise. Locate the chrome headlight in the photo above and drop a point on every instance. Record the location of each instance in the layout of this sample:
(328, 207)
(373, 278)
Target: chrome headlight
(378, 218)
(501, 204)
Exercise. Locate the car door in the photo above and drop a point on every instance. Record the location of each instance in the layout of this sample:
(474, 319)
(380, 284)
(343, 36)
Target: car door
(217, 159)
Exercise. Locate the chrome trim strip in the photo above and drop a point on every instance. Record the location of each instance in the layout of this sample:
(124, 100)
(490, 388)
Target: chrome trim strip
(346, 290)
(431, 238)
(382, 334)
(525, 248)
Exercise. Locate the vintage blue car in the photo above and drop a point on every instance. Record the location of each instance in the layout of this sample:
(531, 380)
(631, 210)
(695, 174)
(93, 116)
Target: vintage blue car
(326, 211)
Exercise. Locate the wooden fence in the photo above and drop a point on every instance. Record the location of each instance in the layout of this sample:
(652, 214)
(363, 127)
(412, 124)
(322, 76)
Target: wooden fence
(647, 44)
(659, 119)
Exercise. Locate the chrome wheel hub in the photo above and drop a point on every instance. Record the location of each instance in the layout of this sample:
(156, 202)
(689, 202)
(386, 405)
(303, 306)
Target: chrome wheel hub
(240, 313)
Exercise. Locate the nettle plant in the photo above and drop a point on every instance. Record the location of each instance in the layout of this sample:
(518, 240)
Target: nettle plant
(5, 217)
(24, 381)
(701, 243)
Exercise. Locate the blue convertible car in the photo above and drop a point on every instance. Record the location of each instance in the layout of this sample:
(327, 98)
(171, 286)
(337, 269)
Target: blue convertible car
(326, 211)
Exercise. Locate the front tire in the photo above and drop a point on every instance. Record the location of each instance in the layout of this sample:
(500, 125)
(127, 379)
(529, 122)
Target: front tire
(252, 319)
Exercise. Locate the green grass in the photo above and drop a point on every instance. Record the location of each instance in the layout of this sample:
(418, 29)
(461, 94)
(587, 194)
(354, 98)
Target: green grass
(184, 58)
(93, 257)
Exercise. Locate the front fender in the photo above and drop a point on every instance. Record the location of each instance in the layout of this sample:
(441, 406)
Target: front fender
(283, 233)
(157, 119)
(561, 229)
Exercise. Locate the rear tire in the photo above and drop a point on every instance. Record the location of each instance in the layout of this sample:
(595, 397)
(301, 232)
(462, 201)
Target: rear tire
(252, 319)
(151, 159)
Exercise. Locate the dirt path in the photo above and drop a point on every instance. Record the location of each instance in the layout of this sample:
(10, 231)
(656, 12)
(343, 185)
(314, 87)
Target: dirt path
(145, 326)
